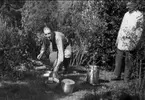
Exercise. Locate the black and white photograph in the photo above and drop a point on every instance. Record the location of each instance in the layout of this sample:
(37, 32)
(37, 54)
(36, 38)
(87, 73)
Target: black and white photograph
(72, 49)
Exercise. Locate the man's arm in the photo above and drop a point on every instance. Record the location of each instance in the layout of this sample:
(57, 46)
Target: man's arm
(42, 48)
(41, 51)
(139, 27)
(60, 58)
(120, 29)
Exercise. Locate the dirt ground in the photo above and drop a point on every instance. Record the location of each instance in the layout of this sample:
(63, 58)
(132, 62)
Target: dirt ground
(33, 87)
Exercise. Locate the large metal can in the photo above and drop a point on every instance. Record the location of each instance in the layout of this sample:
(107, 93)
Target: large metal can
(93, 75)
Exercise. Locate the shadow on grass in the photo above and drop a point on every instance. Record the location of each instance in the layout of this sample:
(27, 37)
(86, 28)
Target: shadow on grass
(110, 95)
(35, 88)
(31, 87)
(29, 91)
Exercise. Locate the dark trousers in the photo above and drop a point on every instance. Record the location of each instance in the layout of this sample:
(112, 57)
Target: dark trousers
(66, 63)
(124, 59)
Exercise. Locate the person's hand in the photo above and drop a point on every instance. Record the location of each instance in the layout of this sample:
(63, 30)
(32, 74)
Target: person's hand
(55, 75)
(39, 56)
(116, 43)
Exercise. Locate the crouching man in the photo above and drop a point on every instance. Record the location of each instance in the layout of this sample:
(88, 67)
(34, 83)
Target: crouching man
(60, 50)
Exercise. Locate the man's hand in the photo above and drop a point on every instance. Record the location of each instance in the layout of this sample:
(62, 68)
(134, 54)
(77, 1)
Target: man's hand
(39, 56)
(116, 43)
(55, 75)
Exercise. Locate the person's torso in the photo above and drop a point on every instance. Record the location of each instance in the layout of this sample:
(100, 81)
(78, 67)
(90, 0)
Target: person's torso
(127, 33)
(60, 37)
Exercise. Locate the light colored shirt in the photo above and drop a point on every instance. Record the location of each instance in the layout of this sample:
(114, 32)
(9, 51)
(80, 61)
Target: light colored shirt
(130, 31)
(63, 51)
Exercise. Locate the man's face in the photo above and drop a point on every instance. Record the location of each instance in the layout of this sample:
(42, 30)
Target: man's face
(47, 32)
(130, 6)
(47, 35)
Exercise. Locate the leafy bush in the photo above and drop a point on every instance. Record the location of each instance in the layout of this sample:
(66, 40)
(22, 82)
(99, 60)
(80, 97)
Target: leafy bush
(36, 13)
(12, 48)
(93, 25)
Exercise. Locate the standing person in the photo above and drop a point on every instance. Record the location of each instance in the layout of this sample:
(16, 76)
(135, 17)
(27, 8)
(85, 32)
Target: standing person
(60, 50)
(127, 40)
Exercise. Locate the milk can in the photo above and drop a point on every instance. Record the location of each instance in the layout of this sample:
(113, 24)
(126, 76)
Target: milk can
(93, 75)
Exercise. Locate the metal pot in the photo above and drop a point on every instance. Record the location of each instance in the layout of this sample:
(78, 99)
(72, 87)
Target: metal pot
(93, 75)
(67, 85)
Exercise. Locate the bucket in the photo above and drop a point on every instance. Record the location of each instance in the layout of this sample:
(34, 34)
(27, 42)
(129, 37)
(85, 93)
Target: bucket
(67, 85)
(93, 75)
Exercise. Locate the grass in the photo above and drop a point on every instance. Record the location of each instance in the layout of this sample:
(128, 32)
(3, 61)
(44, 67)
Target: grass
(33, 88)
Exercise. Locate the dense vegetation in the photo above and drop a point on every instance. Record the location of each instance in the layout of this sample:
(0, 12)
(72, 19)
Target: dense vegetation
(91, 25)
